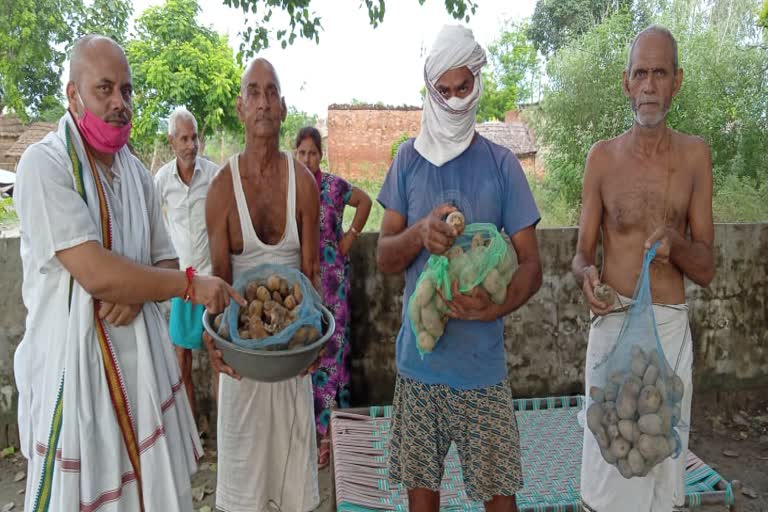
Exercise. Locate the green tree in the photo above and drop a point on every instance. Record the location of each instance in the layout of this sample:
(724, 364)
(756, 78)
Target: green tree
(108, 18)
(306, 23)
(178, 62)
(294, 121)
(512, 75)
(763, 20)
(34, 39)
(723, 97)
(557, 22)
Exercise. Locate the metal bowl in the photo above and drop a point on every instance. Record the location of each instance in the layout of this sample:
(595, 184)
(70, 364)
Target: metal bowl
(271, 365)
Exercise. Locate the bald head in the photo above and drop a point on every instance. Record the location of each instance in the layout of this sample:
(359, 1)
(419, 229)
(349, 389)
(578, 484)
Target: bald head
(257, 67)
(100, 80)
(657, 32)
(89, 48)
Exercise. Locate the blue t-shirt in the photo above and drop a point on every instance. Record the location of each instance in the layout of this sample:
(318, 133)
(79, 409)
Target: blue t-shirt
(487, 184)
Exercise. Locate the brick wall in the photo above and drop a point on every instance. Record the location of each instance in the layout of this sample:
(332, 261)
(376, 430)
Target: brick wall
(360, 138)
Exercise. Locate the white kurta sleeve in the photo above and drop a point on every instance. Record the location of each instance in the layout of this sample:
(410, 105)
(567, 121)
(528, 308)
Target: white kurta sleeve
(52, 214)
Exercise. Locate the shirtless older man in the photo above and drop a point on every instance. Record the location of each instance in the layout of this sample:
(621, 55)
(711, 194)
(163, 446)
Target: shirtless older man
(649, 184)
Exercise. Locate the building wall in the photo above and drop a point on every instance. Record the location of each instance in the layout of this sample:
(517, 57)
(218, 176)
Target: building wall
(360, 141)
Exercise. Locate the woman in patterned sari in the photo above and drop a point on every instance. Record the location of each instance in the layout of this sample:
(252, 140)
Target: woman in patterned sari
(331, 379)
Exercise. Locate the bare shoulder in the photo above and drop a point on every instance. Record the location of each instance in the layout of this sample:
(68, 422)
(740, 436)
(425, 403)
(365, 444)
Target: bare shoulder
(601, 156)
(221, 184)
(692, 146)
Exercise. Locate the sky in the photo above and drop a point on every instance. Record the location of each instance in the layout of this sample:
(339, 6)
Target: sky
(353, 60)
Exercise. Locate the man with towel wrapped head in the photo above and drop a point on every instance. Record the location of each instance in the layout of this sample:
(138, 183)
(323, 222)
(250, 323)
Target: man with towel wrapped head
(459, 392)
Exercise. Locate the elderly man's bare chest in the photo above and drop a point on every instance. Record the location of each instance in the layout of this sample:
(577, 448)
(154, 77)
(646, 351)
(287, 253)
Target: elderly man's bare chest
(639, 197)
(267, 206)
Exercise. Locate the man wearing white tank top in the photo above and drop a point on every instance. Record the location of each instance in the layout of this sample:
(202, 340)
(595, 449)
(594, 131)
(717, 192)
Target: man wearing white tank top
(263, 207)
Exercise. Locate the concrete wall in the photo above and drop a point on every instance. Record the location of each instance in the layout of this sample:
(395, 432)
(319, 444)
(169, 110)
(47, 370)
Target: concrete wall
(546, 339)
(360, 140)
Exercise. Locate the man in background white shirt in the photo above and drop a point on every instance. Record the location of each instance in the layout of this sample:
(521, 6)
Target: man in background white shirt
(182, 186)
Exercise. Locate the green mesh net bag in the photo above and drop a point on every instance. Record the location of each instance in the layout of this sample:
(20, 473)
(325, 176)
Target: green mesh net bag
(480, 256)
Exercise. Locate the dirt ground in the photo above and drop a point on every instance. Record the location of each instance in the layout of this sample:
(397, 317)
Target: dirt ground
(735, 444)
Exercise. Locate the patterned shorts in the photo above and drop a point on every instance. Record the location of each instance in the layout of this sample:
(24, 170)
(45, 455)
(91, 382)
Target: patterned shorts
(427, 418)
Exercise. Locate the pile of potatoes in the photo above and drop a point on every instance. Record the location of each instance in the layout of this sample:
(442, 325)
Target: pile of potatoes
(466, 262)
(634, 415)
(272, 306)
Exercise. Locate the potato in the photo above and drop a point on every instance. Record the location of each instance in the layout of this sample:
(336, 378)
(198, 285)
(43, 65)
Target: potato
(507, 263)
(297, 294)
(454, 252)
(651, 446)
(636, 351)
(650, 424)
(620, 447)
(611, 392)
(312, 335)
(633, 384)
(661, 385)
(477, 241)
(627, 429)
(626, 404)
(594, 417)
(613, 431)
(492, 282)
(424, 292)
(604, 293)
(414, 311)
(653, 358)
(244, 334)
(608, 455)
(676, 388)
(602, 438)
(256, 329)
(456, 221)
(289, 302)
(277, 297)
(224, 330)
(665, 413)
(273, 283)
(617, 378)
(500, 297)
(651, 375)
(440, 305)
(624, 468)
(300, 336)
(426, 341)
(639, 365)
(597, 394)
(609, 414)
(250, 290)
(649, 401)
(263, 294)
(217, 321)
(431, 320)
(255, 308)
(636, 461)
(285, 288)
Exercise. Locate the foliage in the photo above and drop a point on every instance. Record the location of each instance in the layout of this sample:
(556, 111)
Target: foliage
(723, 98)
(555, 23)
(372, 187)
(763, 20)
(306, 23)
(34, 38)
(178, 62)
(396, 144)
(513, 64)
(294, 121)
(7, 212)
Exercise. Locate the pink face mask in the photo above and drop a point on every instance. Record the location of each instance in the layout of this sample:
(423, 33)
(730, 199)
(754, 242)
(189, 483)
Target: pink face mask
(102, 136)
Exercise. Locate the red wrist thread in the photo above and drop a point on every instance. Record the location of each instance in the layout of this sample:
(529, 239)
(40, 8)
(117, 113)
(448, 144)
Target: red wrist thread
(188, 294)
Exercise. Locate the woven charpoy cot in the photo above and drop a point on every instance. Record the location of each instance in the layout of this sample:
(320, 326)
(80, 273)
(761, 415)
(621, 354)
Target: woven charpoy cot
(551, 440)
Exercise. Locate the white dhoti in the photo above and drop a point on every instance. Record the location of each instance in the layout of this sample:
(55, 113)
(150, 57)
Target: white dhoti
(267, 447)
(603, 489)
